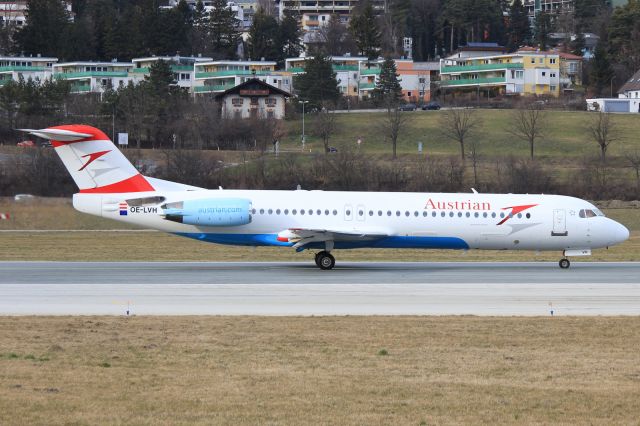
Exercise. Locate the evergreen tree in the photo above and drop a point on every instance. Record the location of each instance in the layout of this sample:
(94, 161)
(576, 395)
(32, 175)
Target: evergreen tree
(47, 22)
(290, 36)
(624, 36)
(388, 86)
(222, 31)
(543, 28)
(518, 32)
(199, 29)
(264, 37)
(318, 83)
(601, 72)
(365, 31)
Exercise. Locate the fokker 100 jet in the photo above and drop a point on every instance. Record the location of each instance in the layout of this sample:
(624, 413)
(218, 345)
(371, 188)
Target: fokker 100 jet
(111, 187)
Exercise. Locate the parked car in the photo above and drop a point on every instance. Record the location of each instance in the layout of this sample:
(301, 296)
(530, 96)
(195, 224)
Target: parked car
(431, 106)
(28, 144)
(332, 149)
(407, 107)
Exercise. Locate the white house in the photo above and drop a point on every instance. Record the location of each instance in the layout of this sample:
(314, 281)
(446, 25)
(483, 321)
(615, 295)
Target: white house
(253, 98)
(631, 90)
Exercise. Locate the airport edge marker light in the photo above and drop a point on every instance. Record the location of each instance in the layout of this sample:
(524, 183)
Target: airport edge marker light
(111, 187)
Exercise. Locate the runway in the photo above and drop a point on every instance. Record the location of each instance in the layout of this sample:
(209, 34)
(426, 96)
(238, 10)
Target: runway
(251, 288)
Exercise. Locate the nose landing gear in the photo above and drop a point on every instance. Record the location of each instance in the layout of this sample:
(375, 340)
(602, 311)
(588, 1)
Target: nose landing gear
(324, 260)
(564, 263)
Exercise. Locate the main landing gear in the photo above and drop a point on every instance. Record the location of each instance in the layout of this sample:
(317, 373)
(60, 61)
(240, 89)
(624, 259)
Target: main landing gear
(324, 260)
(564, 263)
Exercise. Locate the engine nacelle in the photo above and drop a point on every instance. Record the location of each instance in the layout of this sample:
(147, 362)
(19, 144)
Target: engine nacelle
(210, 212)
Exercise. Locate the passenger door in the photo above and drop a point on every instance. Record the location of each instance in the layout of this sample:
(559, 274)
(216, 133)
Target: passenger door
(559, 223)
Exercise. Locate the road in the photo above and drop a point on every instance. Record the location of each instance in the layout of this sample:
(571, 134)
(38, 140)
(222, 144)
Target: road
(285, 288)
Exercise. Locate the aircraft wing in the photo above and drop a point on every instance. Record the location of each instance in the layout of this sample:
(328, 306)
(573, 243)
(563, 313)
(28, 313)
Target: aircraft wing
(304, 236)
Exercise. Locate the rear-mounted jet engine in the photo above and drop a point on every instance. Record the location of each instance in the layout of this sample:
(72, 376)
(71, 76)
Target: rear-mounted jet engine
(209, 212)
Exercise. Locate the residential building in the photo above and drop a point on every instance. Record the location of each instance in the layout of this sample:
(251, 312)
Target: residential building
(570, 71)
(25, 67)
(523, 72)
(552, 7)
(614, 105)
(316, 14)
(253, 98)
(239, 9)
(631, 90)
(93, 77)
(13, 12)
(182, 67)
(358, 76)
(347, 69)
(219, 76)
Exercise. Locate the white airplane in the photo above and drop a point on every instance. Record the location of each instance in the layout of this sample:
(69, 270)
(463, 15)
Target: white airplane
(111, 187)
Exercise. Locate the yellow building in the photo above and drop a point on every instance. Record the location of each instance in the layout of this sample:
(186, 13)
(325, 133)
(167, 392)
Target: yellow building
(527, 72)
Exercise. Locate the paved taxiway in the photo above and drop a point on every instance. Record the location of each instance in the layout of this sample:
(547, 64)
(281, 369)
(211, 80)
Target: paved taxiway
(302, 289)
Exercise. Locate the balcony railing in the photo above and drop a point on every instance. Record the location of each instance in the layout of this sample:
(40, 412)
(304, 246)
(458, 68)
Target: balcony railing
(80, 89)
(370, 71)
(345, 67)
(367, 86)
(21, 68)
(88, 74)
(225, 73)
(211, 88)
(482, 67)
(473, 81)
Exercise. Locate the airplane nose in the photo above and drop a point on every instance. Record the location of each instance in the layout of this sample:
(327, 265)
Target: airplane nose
(620, 233)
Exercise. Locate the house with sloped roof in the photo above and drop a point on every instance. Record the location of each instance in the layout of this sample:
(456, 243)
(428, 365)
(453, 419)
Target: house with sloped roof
(253, 99)
(631, 90)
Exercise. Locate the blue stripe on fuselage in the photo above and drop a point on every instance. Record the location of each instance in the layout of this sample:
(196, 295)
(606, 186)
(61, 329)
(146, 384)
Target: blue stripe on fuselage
(387, 242)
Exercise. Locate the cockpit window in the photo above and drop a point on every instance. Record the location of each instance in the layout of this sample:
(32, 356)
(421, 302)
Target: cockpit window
(590, 213)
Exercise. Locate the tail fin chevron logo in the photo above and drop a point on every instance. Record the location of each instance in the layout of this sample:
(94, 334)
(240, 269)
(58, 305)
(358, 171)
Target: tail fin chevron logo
(93, 157)
(514, 211)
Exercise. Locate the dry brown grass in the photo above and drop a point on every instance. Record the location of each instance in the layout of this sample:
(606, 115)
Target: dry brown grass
(266, 370)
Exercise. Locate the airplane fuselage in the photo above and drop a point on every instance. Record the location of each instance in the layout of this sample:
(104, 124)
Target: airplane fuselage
(399, 220)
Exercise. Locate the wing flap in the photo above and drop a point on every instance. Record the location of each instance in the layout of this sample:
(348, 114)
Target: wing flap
(303, 236)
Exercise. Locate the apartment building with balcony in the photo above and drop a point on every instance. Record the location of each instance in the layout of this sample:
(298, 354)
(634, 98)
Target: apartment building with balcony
(347, 69)
(552, 7)
(219, 76)
(531, 73)
(25, 67)
(93, 77)
(14, 12)
(182, 67)
(314, 14)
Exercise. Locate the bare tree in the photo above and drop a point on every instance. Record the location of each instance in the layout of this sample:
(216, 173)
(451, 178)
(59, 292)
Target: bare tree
(473, 155)
(634, 161)
(336, 38)
(269, 7)
(527, 123)
(458, 125)
(603, 131)
(393, 123)
(325, 126)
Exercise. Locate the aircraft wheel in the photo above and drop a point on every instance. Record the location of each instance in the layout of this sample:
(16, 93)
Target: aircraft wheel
(317, 258)
(564, 263)
(325, 260)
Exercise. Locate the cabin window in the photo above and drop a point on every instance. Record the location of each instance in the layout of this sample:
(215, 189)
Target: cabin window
(416, 214)
(388, 212)
(407, 213)
(468, 214)
(493, 214)
(459, 214)
(253, 211)
(519, 215)
(277, 211)
(476, 214)
(335, 212)
(286, 211)
(424, 213)
(484, 214)
(310, 212)
(528, 215)
(360, 213)
(270, 211)
(302, 211)
(348, 212)
(294, 211)
(433, 214)
(370, 212)
(319, 212)
(501, 215)
(261, 211)
(442, 214)
(326, 212)
(397, 212)
(451, 214)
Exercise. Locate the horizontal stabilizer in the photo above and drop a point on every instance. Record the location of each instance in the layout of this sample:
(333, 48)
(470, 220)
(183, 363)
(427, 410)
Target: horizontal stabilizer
(57, 134)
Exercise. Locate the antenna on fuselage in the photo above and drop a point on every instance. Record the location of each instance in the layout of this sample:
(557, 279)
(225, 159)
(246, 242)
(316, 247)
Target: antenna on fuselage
(474, 190)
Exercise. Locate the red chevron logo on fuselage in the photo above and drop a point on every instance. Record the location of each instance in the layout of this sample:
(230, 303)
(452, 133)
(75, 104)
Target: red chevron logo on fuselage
(92, 157)
(514, 211)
